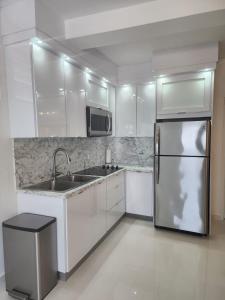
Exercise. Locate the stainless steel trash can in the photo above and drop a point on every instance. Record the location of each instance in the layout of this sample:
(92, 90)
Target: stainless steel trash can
(30, 253)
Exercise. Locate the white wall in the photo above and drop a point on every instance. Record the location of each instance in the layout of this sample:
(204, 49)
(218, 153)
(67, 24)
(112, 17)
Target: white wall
(8, 205)
(186, 59)
(139, 73)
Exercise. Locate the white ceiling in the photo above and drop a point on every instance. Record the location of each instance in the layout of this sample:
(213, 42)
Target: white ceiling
(76, 8)
(142, 51)
(136, 45)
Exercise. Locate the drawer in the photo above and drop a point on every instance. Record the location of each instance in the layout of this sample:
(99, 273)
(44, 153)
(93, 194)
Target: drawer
(115, 190)
(115, 214)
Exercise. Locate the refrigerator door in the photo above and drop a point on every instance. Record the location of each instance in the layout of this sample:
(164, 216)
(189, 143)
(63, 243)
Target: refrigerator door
(181, 193)
(183, 138)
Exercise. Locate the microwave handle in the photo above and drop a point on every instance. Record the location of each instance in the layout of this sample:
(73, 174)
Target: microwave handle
(109, 123)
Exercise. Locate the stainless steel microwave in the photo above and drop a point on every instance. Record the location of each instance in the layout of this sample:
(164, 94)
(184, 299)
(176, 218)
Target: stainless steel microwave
(99, 121)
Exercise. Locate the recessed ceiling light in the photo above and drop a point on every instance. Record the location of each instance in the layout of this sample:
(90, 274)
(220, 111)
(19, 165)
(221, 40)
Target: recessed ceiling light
(104, 79)
(207, 69)
(36, 41)
(66, 57)
(88, 70)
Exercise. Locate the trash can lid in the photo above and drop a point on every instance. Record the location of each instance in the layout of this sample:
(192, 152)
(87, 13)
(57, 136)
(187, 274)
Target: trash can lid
(29, 222)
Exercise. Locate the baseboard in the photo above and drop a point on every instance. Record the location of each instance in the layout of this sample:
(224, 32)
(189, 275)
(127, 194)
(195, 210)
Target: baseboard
(139, 217)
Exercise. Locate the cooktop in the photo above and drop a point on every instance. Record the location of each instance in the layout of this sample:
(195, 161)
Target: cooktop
(99, 170)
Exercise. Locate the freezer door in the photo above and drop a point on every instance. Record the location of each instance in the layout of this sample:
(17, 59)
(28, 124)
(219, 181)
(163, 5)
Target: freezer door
(181, 193)
(189, 138)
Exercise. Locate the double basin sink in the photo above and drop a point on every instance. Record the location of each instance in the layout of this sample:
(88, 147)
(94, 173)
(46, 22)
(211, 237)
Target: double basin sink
(63, 183)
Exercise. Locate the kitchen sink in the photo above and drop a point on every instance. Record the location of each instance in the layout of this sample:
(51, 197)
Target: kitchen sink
(62, 184)
(77, 178)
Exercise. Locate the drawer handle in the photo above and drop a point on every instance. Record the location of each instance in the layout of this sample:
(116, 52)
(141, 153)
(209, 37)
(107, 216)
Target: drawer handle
(80, 192)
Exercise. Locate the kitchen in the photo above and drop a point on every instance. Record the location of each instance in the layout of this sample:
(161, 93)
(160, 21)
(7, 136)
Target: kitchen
(97, 119)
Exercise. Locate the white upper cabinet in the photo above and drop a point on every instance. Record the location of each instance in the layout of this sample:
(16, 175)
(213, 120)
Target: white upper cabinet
(20, 90)
(126, 111)
(96, 92)
(185, 95)
(146, 110)
(49, 93)
(112, 107)
(75, 100)
(135, 110)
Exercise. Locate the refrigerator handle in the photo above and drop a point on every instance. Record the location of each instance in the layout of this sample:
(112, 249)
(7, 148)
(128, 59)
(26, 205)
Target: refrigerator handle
(208, 137)
(157, 168)
(157, 140)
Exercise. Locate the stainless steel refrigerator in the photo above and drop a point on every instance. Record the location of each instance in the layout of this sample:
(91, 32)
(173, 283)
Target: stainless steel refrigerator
(181, 175)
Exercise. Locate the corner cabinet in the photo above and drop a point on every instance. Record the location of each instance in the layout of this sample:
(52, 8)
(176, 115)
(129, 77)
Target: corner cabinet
(139, 196)
(126, 111)
(186, 95)
(135, 110)
(146, 110)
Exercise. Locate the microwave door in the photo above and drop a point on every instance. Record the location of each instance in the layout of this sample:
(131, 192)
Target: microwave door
(96, 122)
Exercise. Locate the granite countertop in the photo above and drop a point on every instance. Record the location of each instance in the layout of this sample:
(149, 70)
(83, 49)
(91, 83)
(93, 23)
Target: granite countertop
(68, 193)
(137, 168)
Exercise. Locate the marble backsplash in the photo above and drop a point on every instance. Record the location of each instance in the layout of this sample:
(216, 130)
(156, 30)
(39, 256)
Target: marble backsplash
(33, 157)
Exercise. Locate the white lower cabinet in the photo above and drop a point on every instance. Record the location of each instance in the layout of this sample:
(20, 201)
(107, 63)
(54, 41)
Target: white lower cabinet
(139, 193)
(115, 198)
(83, 217)
(86, 221)
(115, 213)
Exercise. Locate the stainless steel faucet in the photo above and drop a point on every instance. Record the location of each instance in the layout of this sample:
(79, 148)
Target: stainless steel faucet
(55, 173)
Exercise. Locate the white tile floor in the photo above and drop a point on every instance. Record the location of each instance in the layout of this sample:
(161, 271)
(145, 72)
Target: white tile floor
(138, 262)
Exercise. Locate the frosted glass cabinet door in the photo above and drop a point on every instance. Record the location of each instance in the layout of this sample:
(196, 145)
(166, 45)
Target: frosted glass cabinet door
(49, 93)
(126, 111)
(76, 101)
(146, 106)
(185, 94)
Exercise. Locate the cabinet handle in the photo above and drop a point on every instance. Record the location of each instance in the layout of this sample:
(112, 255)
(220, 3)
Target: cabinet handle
(100, 182)
(80, 192)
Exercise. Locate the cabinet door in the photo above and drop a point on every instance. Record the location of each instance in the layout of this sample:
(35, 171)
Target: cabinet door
(185, 94)
(112, 107)
(115, 190)
(75, 100)
(49, 92)
(99, 198)
(126, 111)
(115, 214)
(146, 109)
(97, 92)
(115, 198)
(139, 196)
(86, 221)
(20, 90)
(80, 219)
